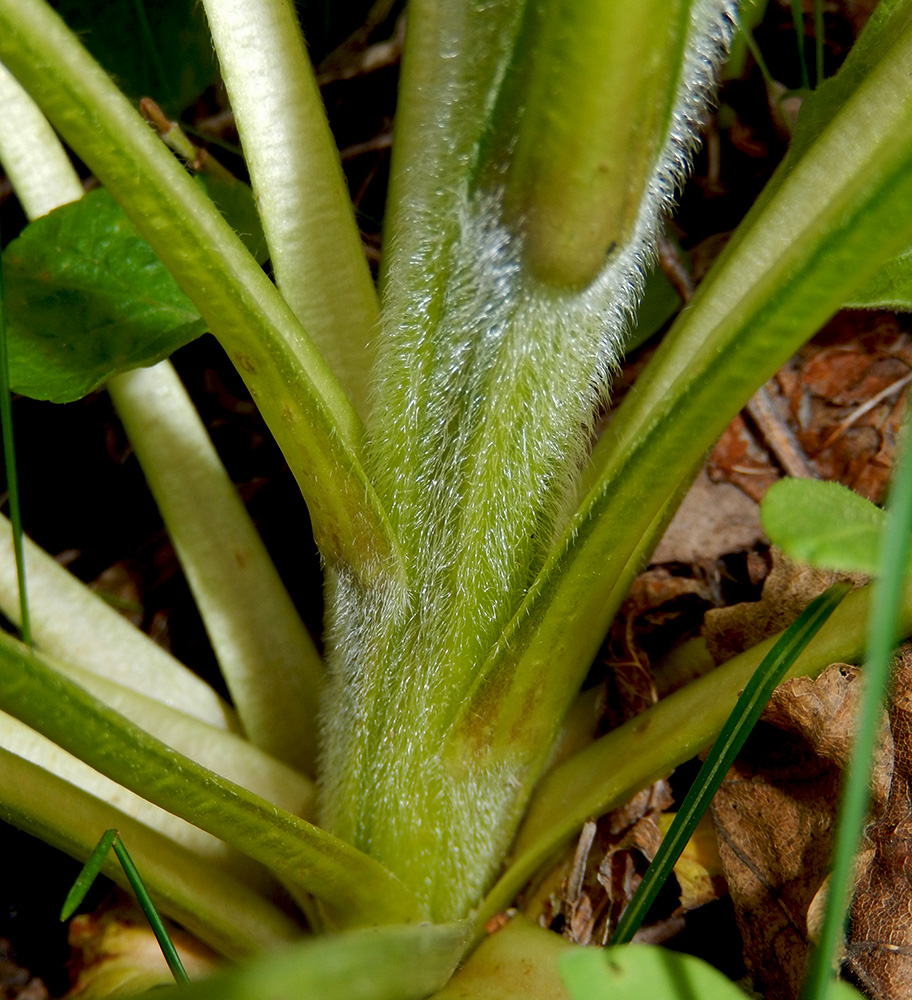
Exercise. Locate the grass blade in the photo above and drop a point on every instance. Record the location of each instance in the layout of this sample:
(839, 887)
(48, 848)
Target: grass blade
(90, 871)
(86, 878)
(209, 901)
(148, 907)
(885, 608)
(355, 888)
(740, 723)
(616, 766)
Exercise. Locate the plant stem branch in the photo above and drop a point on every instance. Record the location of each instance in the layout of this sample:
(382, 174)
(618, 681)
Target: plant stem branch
(301, 400)
(301, 193)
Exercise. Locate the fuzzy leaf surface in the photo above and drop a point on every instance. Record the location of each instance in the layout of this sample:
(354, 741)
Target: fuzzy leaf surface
(823, 524)
(87, 298)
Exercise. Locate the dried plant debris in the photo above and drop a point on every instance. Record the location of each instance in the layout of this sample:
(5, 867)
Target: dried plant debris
(775, 817)
(714, 520)
(17, 983)
(115, 952)
(878, 955)
(846, 393)
(585, 896)
(787, 591)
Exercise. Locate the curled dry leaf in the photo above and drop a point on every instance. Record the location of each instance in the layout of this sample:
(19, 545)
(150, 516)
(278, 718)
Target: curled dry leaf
(878, 952)
(774, 817)
(787, 591)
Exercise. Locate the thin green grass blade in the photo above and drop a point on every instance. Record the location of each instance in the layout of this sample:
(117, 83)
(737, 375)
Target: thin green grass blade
(148, 907)
(12, 479)
(203, 896)
(86, 878)
(738, 727)
(754, 49)
(798, 19)
(885, 609)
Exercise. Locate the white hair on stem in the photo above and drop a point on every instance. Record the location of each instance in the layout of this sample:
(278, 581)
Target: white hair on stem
(487, 386)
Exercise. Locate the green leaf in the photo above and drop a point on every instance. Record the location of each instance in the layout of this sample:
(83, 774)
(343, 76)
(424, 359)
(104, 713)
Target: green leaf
(88, 298)
(890, 288)
(823, 524)
(234, 199)
(820, 108)
(631, 972)
(355, 888)
(86, 877)
(153, 48)
(384, 963)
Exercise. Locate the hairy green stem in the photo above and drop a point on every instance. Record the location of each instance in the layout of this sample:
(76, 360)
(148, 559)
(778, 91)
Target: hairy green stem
(819, 234)
(488, 377)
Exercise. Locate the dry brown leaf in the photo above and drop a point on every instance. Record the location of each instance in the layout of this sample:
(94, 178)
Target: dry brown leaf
(879, 943)
(714, 520)
(115, 952)
(773, 816)
(738, 459)
(699, 868)
(787, 591)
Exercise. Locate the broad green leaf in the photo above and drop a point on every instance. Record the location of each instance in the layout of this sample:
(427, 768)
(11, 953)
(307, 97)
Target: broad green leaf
(88, 298)
(823, 524)
(301, 400)
(632, 972)
(890, 288)
(153, 48)
(385, 963)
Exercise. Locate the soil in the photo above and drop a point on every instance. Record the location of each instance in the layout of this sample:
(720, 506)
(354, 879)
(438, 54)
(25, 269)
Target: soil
(85, 501)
